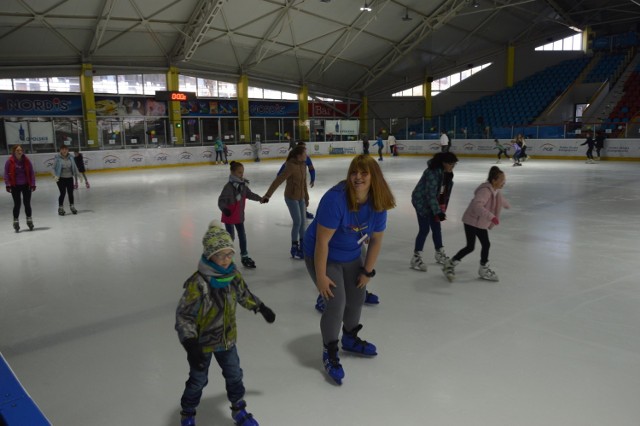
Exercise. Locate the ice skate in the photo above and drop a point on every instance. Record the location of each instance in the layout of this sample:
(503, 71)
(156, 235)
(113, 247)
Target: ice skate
(371, 299)
(187, 419)
(247, 262)
(449, 269)
(16, 225)
(296, 251)
(87, 185)
(73, 209)
(440, 256)
(61, 211)
(320, 304)
(30, 223)
(240, 415)
(331, 362)
(486, 273)
(417, 263)
(310, 215)
(352, 343)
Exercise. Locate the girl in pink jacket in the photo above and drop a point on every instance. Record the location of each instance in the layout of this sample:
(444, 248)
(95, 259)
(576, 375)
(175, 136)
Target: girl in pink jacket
(482, 214)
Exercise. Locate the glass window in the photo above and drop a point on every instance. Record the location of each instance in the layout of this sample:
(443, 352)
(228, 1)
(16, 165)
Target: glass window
(187, 83)
(573, 42)
(289, 96)
(130, 84)
(272, 94)
(418, 90)
(255, 93)
(31, 84)
(207, 88)
(105, 84)
(6, 84)
(227, 90)
(153, 82)
(64, 84)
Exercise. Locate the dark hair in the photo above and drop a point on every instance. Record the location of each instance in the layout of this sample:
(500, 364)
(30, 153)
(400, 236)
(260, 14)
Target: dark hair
(441, 158)
(295, 152)
(62, 147)
(235, 165)
(494, 173)
(15, 147)
(301, 143)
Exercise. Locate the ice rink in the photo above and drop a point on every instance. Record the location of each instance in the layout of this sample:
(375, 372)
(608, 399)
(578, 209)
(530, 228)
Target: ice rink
(87, 304)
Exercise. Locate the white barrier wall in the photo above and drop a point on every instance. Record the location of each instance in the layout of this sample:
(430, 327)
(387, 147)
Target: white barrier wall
(126, 158)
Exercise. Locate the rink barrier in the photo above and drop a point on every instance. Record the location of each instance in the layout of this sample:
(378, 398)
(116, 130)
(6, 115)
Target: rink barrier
(124, 159)
(16, 406)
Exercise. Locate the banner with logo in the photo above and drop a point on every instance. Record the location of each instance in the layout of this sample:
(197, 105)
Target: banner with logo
(208, 108)
(29, 132)
(130, 106)
(342, 127)
(273, 109)
(13, 104)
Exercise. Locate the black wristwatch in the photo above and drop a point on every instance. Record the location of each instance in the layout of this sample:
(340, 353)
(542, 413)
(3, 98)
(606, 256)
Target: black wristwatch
(367, 274)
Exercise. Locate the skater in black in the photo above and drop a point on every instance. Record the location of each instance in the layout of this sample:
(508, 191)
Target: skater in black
(20, 181)
(365, 144)
(590, 144)
(79, 160)
(599, 143)
(207, 328)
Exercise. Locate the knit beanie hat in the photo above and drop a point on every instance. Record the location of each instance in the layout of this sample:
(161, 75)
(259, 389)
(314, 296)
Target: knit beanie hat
(216, 239)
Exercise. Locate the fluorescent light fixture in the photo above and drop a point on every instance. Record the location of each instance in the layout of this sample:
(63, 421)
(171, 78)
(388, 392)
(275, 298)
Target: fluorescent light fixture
(475, 3)
(366, 7)
(576, 29)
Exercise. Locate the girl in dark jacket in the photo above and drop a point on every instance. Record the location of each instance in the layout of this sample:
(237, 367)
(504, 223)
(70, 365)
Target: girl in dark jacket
(20, 180)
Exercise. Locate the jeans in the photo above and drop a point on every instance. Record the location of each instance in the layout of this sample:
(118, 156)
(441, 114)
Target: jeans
(471, 232)
(25, 191)
(298, 212)
(242, 236)
(345, 307)
(424, 224)
(65, 185)
(231, 371)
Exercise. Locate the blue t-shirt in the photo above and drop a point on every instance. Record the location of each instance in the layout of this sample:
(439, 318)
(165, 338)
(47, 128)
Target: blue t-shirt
(333, 213)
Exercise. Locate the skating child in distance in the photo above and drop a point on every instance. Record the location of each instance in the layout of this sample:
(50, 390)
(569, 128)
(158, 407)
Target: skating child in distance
(517, 152)
(64, 173)
(482, 214)
(430, 198)
(79, 160)
(20, 181)
(232, 201)
(590, 144)
(206, 324)
(502, 150)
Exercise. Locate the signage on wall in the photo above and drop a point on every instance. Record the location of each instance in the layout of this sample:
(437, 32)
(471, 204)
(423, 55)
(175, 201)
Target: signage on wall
(165, 95)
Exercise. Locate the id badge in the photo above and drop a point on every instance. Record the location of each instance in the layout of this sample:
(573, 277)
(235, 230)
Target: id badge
(364, 238)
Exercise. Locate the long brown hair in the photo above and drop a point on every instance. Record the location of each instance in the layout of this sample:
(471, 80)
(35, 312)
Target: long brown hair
(295, 152)
(379, 193)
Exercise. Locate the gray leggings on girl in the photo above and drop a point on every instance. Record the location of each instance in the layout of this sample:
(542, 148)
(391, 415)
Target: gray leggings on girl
(346, 305)
(298, 212)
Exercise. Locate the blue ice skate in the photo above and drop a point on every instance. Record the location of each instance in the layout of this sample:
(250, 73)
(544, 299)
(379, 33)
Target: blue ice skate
(332, 362)
(240, 415)
(352, 343)
(187, 419)
(371, 299)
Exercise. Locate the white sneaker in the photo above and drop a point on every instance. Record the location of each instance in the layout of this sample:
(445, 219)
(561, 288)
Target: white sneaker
(441, 256)
(449, 269)
(417, 263)
(487, 274)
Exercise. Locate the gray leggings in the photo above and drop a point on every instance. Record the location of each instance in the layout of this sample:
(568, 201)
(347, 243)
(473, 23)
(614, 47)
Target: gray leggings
(346, 305)
(298, 213)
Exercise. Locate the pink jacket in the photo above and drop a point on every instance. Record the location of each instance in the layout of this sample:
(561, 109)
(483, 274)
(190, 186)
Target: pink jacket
(486, 204)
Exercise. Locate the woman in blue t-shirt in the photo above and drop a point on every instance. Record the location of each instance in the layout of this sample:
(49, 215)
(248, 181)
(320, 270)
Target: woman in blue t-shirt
(351, 214)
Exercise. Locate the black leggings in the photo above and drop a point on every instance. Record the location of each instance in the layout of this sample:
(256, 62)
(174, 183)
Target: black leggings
(65, 185)
(25, 191)
(471, 232)
(590, 153)
(380, 152)
(502, 151)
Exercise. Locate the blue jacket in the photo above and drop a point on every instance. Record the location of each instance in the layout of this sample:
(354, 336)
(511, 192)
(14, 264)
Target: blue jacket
(57, 166)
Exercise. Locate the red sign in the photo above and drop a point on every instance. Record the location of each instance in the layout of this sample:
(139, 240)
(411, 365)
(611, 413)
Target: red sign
(178, 96)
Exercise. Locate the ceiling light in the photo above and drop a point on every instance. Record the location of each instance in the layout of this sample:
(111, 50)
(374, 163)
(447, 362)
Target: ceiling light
(475, 3)
(366, 7)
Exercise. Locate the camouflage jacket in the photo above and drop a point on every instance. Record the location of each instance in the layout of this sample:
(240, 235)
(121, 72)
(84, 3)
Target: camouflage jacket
(426, 197)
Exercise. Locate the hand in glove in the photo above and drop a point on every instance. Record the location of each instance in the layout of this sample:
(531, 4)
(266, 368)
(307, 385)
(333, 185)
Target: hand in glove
(195, 357)
(268, 314)
(226, 212)
(441, 217)
(9, 189)
(495, 220)
(33, 188)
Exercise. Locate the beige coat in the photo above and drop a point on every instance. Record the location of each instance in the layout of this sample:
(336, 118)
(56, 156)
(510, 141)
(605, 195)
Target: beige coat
(295, 173)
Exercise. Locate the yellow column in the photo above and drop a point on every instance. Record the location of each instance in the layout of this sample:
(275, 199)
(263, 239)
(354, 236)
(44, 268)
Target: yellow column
(426, 93)
(511, 60)
(303, 113)
(587, 36)
(175, 116)
(243, 109)
(89, 105)
(364, 115)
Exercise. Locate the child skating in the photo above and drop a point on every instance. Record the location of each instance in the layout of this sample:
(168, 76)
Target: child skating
(206, 325)
(482, 214)
(502, 150)
(232, 202)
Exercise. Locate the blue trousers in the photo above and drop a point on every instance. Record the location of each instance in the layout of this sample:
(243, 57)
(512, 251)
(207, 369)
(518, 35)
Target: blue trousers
(229, 362)
(242, 236)
(298, 212)
(426, 223)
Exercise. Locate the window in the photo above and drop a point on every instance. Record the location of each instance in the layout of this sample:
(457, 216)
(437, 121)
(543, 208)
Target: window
(227, 90)
(130, 84)
(31, 84)
(573, 42)
(289, 96)
(105, 84)
(6, 84)
(64, 84)
(154, 82)
(255, 93)
(187, 84)
(272, 94)
(443, 83)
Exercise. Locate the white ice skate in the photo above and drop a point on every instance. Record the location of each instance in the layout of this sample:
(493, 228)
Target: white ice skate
(449, 269)
(487, 274)
(441, 256)
(417, 263)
